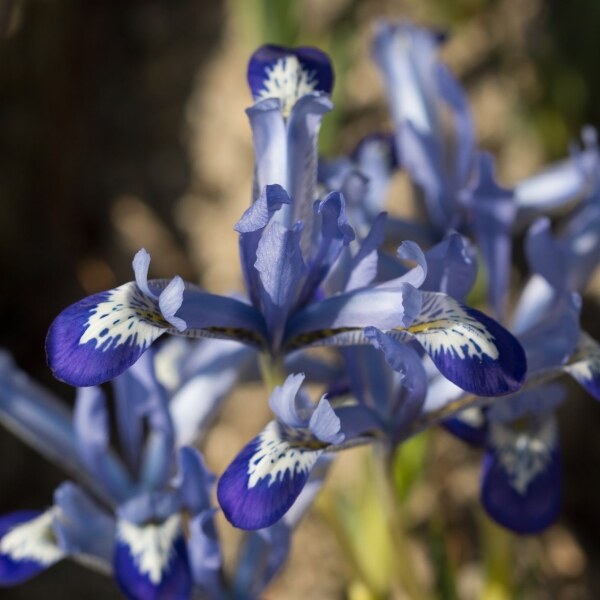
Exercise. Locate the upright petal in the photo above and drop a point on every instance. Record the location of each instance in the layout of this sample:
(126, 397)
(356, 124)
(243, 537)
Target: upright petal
(27, 545)
(93, 441)
(151, 561)
(281, 267)
(265, 478)
(469, 348)
(494, 212)
(336, 233)
(451, 267)
(82, 527)
(302, 156)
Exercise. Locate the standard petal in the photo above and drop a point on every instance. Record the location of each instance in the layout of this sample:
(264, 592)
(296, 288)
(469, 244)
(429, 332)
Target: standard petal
(281, 267)
(205, 555)
(265, 478)
(196, 481)
(82, 527)
(269, 136)
(521, 487)
(494, 212)
(302, 157)
(469, 348)
(92, 429)
(151, 561)
(27, 545)
(545, 254)
(336, 233)
(451, 267)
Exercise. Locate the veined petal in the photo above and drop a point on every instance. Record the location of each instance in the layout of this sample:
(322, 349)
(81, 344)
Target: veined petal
(265, 478)
(151, 561)
(27, 545)
(469, 348)
(97, 338)
(584, 365)
(288, 74)
(280, 266)
(363, 268)
(269, 137)
(348, 314)
(302, 136)
(336, 233)
(521, 485)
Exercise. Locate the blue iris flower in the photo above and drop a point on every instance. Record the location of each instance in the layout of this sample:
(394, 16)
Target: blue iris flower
(290, 246)
(434, 141)
(144, 516)
(521, 484)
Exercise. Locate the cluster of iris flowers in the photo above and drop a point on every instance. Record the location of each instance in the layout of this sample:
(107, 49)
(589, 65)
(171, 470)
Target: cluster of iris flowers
(323, 265)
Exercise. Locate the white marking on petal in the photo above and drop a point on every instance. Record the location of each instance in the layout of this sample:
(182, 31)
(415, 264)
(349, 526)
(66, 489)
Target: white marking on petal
(584, 365)
(472, 417)
(151, 546)
(33, 540)
(443, 325)
(288, 81)
(275, 456)
(127, 315)
(524, 454)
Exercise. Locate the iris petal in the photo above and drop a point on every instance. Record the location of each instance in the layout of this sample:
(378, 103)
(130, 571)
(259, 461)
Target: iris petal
(521, 485)
(469, 348)
(265, 478)
(27, 545)
(99, 337)
(151, 562)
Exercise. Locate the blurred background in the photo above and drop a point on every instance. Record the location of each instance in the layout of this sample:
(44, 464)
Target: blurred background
(122, 125)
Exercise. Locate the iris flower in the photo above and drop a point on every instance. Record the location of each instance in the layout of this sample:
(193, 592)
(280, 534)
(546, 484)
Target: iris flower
(145, 515)
(289, 246)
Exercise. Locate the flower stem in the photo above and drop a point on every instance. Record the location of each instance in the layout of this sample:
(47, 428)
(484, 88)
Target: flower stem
(406, 573)
(272, 371)
(498, 546)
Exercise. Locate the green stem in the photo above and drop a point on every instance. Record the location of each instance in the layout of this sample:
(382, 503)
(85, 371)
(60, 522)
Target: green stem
(406, 573)
(271, 369)
(498, 546)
